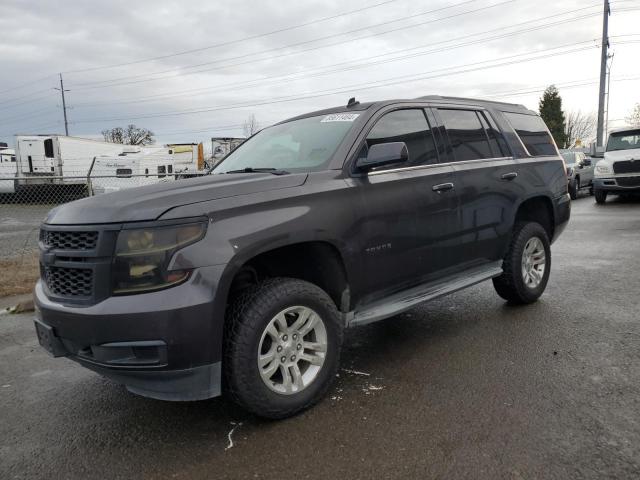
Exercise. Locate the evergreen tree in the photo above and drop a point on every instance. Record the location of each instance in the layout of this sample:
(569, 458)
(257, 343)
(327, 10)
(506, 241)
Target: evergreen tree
(551, 112)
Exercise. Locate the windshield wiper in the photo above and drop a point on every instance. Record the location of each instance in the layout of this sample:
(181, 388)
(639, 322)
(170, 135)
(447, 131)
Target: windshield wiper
(273, 171)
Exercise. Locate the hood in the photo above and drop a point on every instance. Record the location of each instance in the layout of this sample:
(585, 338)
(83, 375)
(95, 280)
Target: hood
(151, 201)
(615, 155)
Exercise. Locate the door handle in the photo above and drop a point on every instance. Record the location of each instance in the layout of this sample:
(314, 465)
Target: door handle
(509, 176)
(442, 187)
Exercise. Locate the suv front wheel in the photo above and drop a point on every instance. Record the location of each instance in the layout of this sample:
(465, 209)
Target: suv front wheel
(601, 196)
(526, 266)
(282, 347)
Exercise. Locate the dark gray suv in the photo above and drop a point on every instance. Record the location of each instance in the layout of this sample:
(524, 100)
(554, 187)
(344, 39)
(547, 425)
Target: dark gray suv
(243, 281)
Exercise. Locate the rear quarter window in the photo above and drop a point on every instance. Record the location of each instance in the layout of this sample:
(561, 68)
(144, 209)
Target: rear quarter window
(533, 133)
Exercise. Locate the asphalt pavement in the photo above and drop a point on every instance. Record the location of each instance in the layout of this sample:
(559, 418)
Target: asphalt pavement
(464, 387)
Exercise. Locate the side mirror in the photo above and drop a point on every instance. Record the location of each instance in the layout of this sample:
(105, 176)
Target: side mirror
(383, 154)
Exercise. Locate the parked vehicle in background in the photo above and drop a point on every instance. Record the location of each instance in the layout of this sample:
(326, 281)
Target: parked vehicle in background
(43, 159)
(137, 166)
(619, 172)
(580, 170)
(328, 220)
(8, 170)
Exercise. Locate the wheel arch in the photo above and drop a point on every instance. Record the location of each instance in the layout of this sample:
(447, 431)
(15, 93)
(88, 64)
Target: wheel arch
(538, 208)
(320, 262)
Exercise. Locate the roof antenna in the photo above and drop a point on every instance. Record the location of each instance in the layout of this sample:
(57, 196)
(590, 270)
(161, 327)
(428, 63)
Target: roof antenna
(352, 102)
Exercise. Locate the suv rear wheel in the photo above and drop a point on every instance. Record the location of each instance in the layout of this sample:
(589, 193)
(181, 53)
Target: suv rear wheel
(526, 266)
(282, 347)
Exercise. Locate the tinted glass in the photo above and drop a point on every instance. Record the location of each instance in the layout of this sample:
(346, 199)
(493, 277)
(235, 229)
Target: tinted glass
(466, 135)
(533, 133)
(410, 127)
(624, 140)
(496, 142)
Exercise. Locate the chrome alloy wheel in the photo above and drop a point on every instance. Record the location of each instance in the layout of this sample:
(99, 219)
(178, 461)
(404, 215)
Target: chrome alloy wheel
(534, 261)
(292, 350)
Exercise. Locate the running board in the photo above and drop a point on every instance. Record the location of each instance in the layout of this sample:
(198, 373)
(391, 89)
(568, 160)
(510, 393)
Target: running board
(407, 299)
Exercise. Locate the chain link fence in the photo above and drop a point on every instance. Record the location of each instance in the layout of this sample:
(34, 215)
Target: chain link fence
(25, 201)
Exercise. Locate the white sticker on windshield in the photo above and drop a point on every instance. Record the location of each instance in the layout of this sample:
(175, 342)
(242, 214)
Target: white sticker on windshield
(340, 117)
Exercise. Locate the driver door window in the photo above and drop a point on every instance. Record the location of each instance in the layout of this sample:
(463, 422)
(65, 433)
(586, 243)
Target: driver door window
(411, 127)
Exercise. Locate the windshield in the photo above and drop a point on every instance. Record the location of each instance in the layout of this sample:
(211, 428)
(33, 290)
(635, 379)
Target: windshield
(569, 157)
(300, 145)
(624, 140)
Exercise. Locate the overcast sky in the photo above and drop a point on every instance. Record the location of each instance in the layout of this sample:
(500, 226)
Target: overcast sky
(277, 59)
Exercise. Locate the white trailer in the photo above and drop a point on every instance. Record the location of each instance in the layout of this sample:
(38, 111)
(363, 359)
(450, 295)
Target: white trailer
(44, 159)
(223, 146)
(138, 166)
(8, 170)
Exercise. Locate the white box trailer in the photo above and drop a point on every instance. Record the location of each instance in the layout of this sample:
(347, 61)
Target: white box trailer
(8, 170)
(223, 146)
(44, 159)
(138, 166)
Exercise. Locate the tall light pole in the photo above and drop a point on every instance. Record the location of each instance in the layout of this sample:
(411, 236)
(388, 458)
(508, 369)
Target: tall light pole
(64, 106)
(603, 72)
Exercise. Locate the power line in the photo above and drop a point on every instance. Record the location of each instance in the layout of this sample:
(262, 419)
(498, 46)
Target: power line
(232, 42)
(524, 91)
(110, 82)
(305, 75)
(357, 87)
(18, 87)
(482, 40)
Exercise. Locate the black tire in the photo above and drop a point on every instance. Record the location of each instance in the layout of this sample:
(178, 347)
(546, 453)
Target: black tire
(247, 317)
(601, 196)
(510, 285)
(574, 187)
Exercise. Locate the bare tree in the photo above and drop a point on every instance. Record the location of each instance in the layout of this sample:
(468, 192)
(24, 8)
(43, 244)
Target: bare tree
(131, 135)
(580, 128)
(138, 136)
(113, 135)
(634, 117)
(250, 126)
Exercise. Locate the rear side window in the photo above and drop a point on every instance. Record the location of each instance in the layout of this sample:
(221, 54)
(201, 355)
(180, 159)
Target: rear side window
(48, 148)
(408, 126)
(533, 133)
(468, 135)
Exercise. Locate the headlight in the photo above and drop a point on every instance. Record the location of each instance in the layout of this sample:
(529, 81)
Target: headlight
(143, 255)
(603, 169)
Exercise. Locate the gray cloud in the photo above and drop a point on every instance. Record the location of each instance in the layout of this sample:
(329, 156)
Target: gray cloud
(48, 37)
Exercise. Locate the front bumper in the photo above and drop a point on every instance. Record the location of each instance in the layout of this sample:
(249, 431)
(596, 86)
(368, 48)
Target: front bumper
(165, 344)
(618, 184)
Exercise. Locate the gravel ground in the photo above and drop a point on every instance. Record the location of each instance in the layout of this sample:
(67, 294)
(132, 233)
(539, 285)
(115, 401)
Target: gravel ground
(464, 387)
(19, 225)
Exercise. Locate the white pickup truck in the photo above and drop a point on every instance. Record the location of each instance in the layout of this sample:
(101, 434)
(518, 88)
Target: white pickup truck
(619, 172)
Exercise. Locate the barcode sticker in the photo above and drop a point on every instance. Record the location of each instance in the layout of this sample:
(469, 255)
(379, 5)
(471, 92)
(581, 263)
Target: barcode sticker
(340, 117)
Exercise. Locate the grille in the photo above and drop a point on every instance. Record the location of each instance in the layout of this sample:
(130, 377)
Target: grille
(68, 282)
(627, 166)
(69, 240)
(629, 182)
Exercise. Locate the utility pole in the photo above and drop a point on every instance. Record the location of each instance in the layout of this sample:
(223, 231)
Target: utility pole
(64, 106)
(603, 72)
(606, 123)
